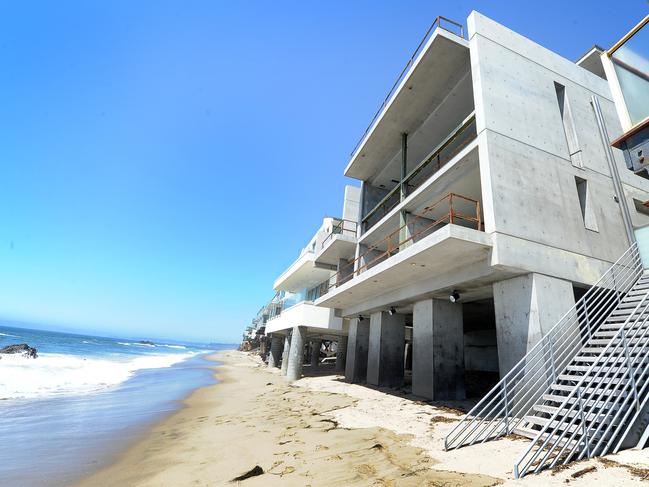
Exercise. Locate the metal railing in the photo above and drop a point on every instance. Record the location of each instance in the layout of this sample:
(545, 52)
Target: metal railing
(594, 418)
(439, 22)
(504, 407)
(340, 227)
(403, 237)
(448, 148)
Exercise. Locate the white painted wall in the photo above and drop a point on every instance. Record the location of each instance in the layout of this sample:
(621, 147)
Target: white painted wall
(305, 314)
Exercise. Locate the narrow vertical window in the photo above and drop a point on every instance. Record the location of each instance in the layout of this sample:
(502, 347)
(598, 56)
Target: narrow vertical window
(568, 125)
(587, 212)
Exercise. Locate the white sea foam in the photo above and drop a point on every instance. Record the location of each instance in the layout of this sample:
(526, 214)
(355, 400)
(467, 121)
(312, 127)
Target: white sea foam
(137, 344)
(180, 347)
(55, 374)
(8, 335)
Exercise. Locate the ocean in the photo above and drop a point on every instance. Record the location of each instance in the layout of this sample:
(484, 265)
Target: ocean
(85, 398)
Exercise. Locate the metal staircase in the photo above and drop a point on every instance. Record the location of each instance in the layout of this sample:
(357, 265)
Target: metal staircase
(583, 390)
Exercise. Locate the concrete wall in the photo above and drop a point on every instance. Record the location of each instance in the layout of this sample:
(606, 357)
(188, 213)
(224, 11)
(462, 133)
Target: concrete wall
(352, 203)
(527, 173)
(305, 314)
(481, 351)
(526, 308)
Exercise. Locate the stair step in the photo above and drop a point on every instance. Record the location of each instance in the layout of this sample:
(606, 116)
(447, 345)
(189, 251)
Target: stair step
(551, 410)
(586, 368)
(620, 378)
(630, 339)
(598, 349)
(562, 387)
(559, 425)
(532, 434)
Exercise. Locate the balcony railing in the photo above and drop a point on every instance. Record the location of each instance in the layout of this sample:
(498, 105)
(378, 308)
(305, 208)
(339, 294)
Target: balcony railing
(448, 148)
(440, 22)
(341, 227)
(455, 208)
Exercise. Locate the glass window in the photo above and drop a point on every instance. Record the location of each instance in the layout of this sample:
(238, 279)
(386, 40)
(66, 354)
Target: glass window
(631, 62)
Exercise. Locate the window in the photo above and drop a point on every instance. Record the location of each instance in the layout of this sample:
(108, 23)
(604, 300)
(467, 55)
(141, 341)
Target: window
(631, 62)
(585, 205)
(568, 125)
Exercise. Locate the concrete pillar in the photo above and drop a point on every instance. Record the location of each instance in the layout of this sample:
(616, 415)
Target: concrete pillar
(296, 354)
(315, 353)
(438, 350)
(341, 354)
(357, 344)
(526, 308)
(386, 349)
(275, 351)
(285, 352)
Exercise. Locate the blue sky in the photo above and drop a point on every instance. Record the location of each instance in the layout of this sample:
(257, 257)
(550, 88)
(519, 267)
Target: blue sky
(162, 162)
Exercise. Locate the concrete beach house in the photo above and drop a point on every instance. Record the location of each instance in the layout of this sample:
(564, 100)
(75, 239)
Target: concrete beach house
(497, 236)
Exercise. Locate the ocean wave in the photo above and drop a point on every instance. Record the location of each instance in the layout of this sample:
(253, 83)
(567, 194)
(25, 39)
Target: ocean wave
(136, 344)
(180, 347)
(8, 335)
(56, 374)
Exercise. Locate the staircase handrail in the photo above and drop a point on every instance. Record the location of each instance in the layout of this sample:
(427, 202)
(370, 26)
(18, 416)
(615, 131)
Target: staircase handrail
(504, 406)
(569, 404)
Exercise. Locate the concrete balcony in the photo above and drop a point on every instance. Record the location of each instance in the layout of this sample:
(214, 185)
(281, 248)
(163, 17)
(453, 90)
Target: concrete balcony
(435, 74)
(307, 314)
(339, 243)
(305, 272)
(442, 251)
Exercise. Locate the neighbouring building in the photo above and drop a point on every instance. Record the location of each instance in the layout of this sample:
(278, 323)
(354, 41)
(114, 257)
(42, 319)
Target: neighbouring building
(301, 323)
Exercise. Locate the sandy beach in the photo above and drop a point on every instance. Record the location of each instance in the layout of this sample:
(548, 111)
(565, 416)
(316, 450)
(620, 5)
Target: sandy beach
(321, 431)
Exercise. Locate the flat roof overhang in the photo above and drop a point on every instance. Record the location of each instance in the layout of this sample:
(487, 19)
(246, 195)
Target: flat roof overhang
(303, 273)
(449, 247)
(437, 69)
(337, 247)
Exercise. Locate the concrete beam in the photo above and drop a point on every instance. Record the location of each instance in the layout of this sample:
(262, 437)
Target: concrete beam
(386, 349)
(438, 350)
(357, 345)
(285, 353)
(526, 308)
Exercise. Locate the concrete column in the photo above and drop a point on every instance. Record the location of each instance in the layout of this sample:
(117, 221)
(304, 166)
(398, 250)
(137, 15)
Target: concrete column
(296, 354)
(275, 351)
(315, 353)
(438, 350)
(285, 352)
(386, 349)
(341, 354)
(357, 344)
(526, 308)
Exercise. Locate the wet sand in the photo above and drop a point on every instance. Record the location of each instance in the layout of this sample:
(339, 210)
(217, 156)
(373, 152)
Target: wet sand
(322, 431)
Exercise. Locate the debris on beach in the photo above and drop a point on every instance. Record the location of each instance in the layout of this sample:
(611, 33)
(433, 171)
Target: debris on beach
(250, 473)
